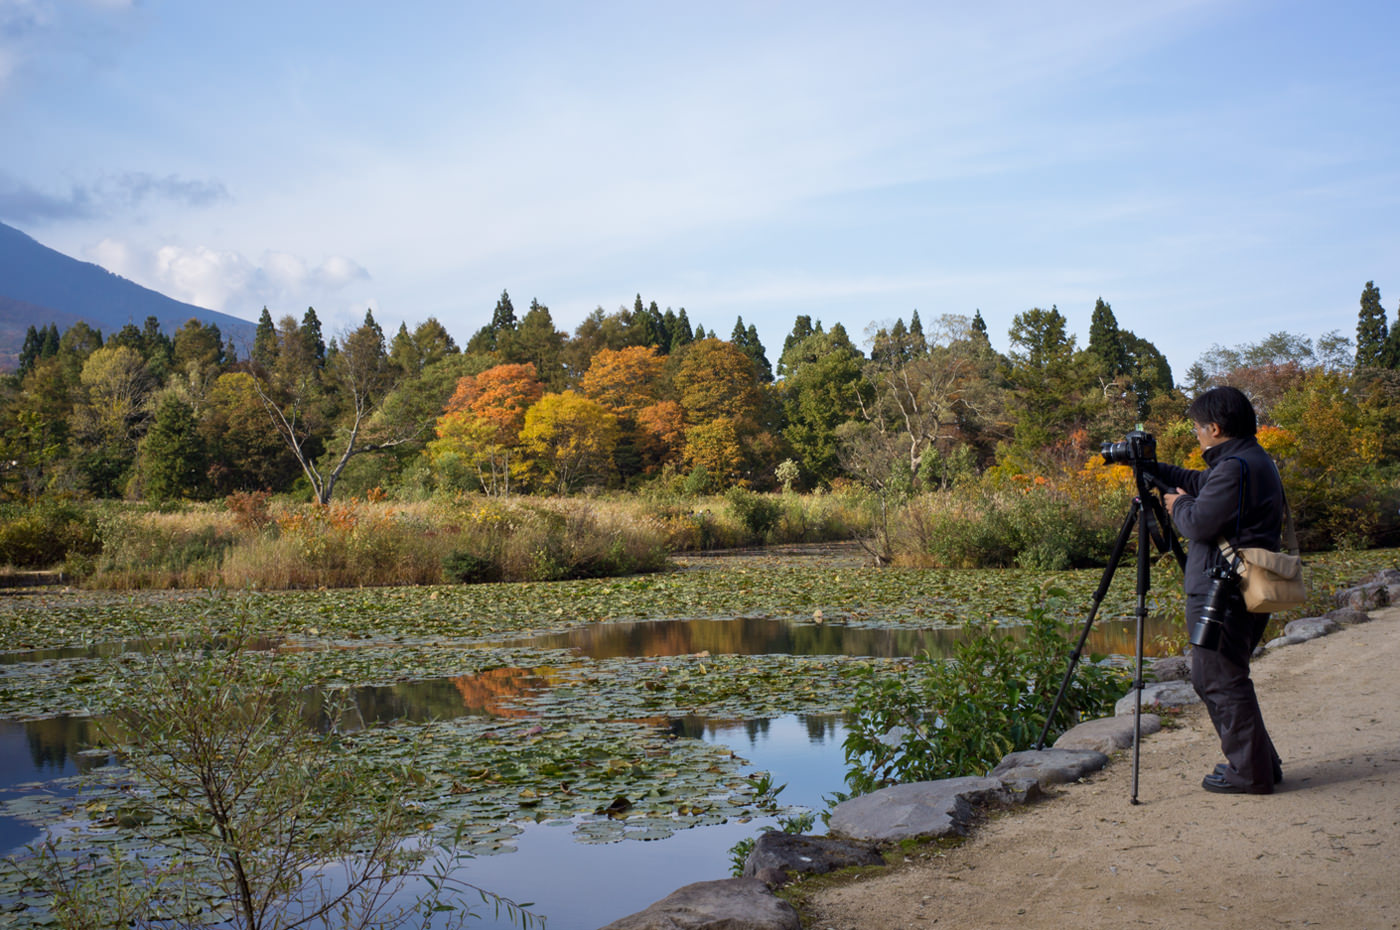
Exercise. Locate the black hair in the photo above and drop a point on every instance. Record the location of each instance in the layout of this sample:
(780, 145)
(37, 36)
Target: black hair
(1228, 408)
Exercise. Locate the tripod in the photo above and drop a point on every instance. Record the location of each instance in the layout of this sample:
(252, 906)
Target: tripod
(1149, 515)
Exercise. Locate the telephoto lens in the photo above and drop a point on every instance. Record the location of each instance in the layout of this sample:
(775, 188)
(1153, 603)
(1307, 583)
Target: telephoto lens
(1208, 628)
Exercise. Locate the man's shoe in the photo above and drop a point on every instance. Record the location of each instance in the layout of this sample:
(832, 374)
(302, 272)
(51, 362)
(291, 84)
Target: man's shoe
(1216, 782)
(1221, 768)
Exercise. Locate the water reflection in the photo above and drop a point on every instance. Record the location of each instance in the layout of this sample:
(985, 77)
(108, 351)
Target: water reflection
(33, 757)
(767, 636)
(590, 885)
(494, 693)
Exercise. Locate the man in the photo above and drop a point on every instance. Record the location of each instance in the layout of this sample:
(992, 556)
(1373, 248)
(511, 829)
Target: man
(1239, 497)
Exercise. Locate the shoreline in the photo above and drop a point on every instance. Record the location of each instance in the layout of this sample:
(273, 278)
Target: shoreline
(1312, 854)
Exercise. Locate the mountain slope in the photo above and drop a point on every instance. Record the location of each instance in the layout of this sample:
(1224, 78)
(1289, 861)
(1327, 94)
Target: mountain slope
(39, 285)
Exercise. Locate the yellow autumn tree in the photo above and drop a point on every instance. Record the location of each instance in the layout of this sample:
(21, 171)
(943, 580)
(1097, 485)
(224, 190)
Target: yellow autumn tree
(571, 438)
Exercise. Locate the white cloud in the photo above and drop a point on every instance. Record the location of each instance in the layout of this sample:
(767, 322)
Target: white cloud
(228, 280)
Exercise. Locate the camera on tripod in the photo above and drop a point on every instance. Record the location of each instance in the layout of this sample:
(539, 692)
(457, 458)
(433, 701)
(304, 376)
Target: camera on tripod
(1137, 447)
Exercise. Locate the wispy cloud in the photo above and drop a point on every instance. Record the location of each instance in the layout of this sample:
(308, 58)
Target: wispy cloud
(23, 203)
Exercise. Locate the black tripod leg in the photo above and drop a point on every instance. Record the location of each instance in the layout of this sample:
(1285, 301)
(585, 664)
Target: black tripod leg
(1144, 568)
(1119, 546)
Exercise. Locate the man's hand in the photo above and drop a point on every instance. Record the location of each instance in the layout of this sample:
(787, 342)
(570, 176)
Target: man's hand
(1171, 499)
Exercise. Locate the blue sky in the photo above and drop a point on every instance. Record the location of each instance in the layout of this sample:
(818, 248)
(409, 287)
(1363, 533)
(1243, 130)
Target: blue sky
(1215, 170)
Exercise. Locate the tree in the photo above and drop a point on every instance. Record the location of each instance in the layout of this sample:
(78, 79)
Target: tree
(1047, 387)
(1372, 334)
(1106, 349)
(358, 376)
(111, 415)
(488, 339)
(572, 437)
(660, 435)
(746, 338)
(428, 343)
(479, 432)
(265, 341)
(1335, 487)
(174, 461)
(717, 379)
(802, 327)
(625, 380)
(312, 340)
(198, 348)
(1264, 370)
(915, 404)
(714, 447)
(681, 333)
(244, 455)
(820, 390)
(537, 342)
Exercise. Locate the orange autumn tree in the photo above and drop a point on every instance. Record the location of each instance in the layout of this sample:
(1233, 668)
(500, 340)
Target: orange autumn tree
(630, 382)
(572, 439)
(478, 434)
(660, 434)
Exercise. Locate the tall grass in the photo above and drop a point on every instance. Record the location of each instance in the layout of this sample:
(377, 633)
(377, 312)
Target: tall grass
(1046, 522)
(251, 542)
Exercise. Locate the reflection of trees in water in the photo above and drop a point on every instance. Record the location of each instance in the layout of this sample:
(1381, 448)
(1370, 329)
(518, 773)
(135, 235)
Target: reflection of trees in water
(492, 691)
(487, 694)
(56, 742)
(821, 728)
(746, 636)
(767, 636)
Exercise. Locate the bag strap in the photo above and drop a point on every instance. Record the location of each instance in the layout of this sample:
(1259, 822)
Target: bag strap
(1290, 532)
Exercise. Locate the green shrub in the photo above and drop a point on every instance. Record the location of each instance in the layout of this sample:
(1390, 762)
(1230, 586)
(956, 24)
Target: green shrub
(758, 513)
(464, 567)
(46, 533)
(963, 715)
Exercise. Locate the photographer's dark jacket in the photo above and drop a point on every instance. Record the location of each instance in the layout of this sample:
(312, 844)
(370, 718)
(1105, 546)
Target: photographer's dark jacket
(1238, 497)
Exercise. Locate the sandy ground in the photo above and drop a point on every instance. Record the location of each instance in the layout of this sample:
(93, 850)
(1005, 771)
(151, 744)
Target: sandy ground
(1323, 851)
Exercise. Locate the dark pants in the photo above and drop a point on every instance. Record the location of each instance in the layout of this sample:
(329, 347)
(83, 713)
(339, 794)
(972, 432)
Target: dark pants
(1221, 678)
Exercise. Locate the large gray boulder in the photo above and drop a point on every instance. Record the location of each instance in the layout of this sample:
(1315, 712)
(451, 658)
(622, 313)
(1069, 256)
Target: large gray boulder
(1348, 615)
(1048, 766)
(1171, 668)
(1106, 734)
(917, 810)
(776, 855)
(728, 904)
(1302, 630)
(1369, 596)
(1163, 694)
(1310, 627)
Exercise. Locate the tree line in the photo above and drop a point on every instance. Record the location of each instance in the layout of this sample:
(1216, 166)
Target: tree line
(638, 397)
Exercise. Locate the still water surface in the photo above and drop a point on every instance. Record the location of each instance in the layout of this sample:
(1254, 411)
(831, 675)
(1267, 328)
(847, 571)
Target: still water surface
(578, 886)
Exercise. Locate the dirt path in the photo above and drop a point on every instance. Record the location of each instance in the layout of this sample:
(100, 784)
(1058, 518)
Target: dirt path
(1322, 852)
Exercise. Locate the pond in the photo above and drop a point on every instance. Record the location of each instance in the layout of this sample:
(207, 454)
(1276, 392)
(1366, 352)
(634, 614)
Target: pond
(689, 660)
(587, 885)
